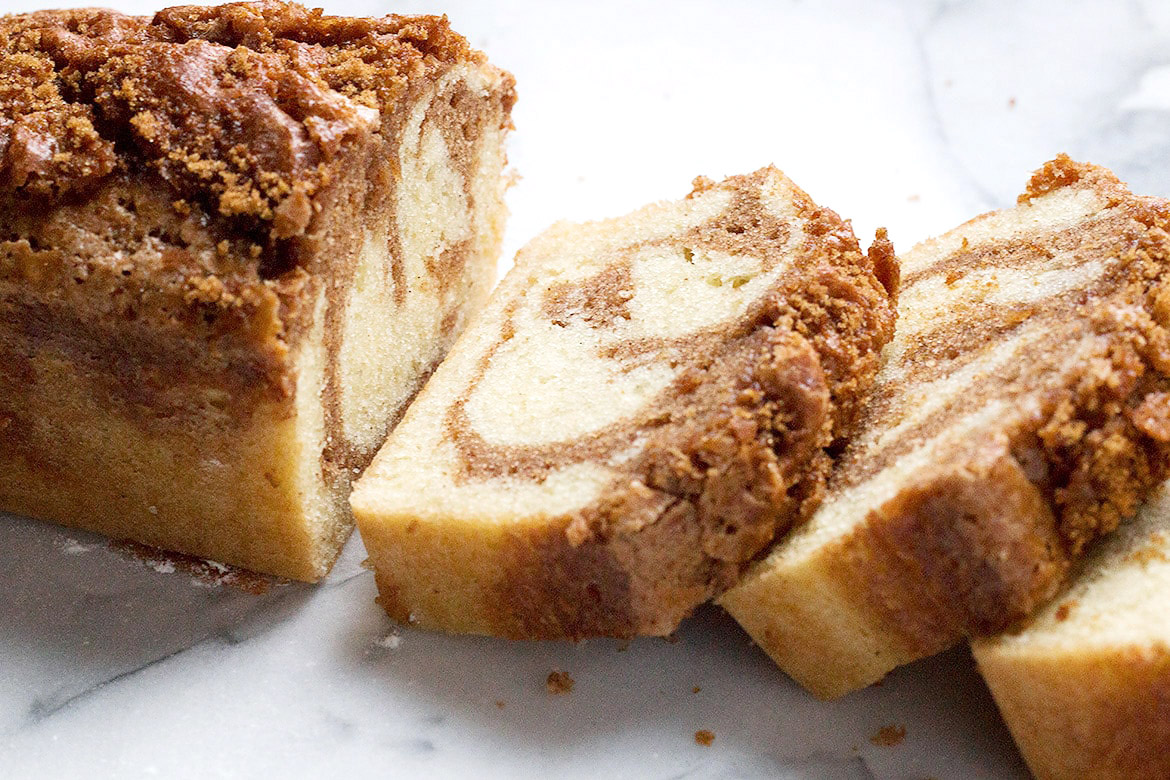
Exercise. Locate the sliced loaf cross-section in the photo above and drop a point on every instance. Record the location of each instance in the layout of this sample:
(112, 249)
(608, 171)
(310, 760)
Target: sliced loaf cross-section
(1021, 411)
(643, 406)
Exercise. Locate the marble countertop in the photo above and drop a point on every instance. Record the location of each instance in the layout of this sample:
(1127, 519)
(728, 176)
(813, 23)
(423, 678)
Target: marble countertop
(914, 115)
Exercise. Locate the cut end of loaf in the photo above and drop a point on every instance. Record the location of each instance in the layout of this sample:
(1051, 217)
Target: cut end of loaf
(1084, 686)
(211, 338)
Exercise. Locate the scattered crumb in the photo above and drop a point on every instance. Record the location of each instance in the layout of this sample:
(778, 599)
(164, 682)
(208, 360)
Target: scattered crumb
(948, 83)
(889, 736)
(203, 573)
(74, 547)
(1062, 612)
(623, 645)
(913, 198)
(500, 703)
(367, 564)
(696, 689)
(559, 682)
(1011, 102)
(704, 737)
(391, 641)
(671, 639)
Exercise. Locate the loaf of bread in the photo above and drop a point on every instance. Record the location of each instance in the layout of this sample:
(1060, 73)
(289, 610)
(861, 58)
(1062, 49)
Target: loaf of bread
(235, 242)
(1021, 411)
(1085, 686)
(643, 405)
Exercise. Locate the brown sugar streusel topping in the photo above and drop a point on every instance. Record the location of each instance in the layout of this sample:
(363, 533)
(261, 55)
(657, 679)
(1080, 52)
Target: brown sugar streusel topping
(244, 107)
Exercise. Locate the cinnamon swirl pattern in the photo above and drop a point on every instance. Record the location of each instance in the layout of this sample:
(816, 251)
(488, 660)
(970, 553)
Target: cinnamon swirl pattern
(1020, 413)
(644, 406)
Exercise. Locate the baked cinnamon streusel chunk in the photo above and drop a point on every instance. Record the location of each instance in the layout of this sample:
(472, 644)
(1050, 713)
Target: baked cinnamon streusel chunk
(233, 243)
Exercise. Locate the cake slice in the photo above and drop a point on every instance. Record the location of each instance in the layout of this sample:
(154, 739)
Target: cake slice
(644, 404)
(1021, 411)
(1085, 687)
(234, 243)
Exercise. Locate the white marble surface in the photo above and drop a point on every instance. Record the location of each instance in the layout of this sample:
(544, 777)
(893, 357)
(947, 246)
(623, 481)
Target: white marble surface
(914, 115)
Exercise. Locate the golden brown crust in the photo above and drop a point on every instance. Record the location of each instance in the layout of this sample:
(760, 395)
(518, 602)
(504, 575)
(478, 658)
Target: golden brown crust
(1063, 171)
(231, 491)
(979, 545)
(1086, 715)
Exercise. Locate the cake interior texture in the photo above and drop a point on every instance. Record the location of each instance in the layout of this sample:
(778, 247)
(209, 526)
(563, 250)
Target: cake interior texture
(1021, 411)
(1085, 685)
(234, 241)
(643, 406)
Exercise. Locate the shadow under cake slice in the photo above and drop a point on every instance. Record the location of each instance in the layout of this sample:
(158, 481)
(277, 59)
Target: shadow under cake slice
(642, 407)
(235, 241)
(1085, 686)
(1021, 411)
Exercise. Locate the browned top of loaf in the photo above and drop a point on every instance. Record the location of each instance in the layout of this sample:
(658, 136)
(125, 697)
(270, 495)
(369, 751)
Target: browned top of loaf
(242, 107)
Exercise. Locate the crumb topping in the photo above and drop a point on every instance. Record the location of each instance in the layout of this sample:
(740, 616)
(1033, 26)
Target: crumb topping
(245, 108)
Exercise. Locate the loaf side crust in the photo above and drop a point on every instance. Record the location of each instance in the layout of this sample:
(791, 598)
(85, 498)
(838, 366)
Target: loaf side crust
(1101, 713)
(1084, 685)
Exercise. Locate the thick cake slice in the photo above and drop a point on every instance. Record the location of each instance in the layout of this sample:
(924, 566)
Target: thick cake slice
(1022, 410)
(1085, 688)
(642, 407)
(234, 242)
